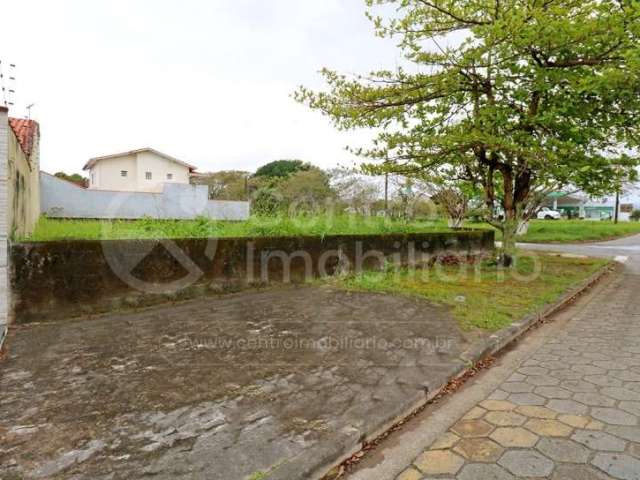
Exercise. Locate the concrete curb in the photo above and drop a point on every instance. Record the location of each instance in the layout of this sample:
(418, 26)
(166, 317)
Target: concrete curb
(488, 347)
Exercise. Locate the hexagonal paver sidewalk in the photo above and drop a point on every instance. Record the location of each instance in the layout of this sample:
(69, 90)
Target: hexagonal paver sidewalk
(570, 411)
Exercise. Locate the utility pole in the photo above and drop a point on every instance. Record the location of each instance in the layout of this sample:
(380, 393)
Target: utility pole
(616, 215)
(386, 194)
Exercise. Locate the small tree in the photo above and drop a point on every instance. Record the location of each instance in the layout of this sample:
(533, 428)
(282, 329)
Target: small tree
(537, 95)
(354, 190)
(267, 201)
(224, 185)
(455, 205)
(410, 197)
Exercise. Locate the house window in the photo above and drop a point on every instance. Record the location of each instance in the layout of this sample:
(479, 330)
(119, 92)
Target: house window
(93, 179)
(148, 175)
(123, 173)
(169, 176)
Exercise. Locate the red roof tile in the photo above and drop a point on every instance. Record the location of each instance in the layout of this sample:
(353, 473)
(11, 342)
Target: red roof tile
(25, 131)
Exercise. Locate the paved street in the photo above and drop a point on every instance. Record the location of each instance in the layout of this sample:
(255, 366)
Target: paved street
(569, 409)
(624, 249)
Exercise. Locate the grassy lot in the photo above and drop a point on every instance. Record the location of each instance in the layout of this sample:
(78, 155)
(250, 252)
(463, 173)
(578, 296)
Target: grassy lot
(50, 229)
(540, 231)
(567, 231)
(483, 296)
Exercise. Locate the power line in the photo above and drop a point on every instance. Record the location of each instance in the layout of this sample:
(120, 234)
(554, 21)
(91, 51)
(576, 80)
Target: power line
(8, 83)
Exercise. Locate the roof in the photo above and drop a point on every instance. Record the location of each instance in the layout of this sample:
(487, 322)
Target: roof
(93, 161)
(25, 131)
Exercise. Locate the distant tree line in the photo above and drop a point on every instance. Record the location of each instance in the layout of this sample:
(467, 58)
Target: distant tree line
(295, 187)
(73, 178)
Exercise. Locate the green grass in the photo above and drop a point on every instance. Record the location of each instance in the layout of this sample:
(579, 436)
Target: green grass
(51, 229)
(566, 231)
(540, 231)
(569, 231)
(484, 296)
(258, 476)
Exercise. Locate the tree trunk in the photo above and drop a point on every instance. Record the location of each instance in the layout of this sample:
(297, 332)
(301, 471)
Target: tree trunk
(523, 228)
(455, 223)
(508, 250)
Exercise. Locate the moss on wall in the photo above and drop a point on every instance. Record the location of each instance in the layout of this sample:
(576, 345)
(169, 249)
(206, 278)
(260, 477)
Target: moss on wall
(64, 279)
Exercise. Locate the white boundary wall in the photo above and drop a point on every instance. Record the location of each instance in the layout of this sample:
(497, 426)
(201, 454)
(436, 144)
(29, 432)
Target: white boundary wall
(62, 199)
(4, 222)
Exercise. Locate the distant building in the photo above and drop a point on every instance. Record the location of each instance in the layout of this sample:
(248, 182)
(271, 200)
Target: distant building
(580, 205)
(143, 170)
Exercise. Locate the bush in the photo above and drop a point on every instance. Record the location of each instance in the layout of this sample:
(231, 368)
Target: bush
(635, 215)
(267, 202)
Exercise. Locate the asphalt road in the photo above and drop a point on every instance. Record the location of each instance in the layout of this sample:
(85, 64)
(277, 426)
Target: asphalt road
(626, 250)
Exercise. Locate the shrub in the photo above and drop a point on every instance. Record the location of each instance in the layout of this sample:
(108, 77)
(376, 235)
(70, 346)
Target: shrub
(635, 215)
(267, 202)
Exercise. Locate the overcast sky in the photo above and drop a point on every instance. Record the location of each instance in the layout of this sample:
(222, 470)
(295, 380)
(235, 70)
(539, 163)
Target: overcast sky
(207, 81)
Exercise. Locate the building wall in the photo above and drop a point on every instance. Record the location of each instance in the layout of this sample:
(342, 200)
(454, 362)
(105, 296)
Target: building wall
(19, 204)
(159, 167)
(4, 222)
(62, 199)
(106, 174)
(23, 187)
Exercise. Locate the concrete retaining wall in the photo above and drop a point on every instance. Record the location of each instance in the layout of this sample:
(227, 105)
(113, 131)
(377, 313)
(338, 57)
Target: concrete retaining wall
(59, 280)
(62, 199)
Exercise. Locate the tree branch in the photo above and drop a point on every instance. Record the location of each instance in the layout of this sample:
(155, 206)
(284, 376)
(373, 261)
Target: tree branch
(451, 15)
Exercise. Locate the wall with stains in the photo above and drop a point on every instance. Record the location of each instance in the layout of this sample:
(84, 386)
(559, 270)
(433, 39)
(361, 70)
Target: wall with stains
(4, 222)
(19, 204)
(62, 199)
(23, 187)
(65, 279)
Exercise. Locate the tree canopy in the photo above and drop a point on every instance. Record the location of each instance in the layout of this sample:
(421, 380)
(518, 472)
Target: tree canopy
(224, 185)
(516, 97)
(281, 168)
(73, 178)
(303, 191)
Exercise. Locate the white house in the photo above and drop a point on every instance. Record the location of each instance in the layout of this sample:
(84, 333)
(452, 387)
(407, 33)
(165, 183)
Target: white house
(143, 170)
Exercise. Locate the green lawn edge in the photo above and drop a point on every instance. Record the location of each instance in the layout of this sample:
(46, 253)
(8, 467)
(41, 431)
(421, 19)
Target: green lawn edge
(489, 303)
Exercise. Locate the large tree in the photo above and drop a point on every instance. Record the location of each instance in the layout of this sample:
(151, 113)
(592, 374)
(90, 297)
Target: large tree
(518, 97)
(281, 168)
(306, 191)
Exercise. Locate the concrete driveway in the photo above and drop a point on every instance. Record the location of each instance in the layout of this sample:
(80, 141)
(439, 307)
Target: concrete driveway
(280, 381)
